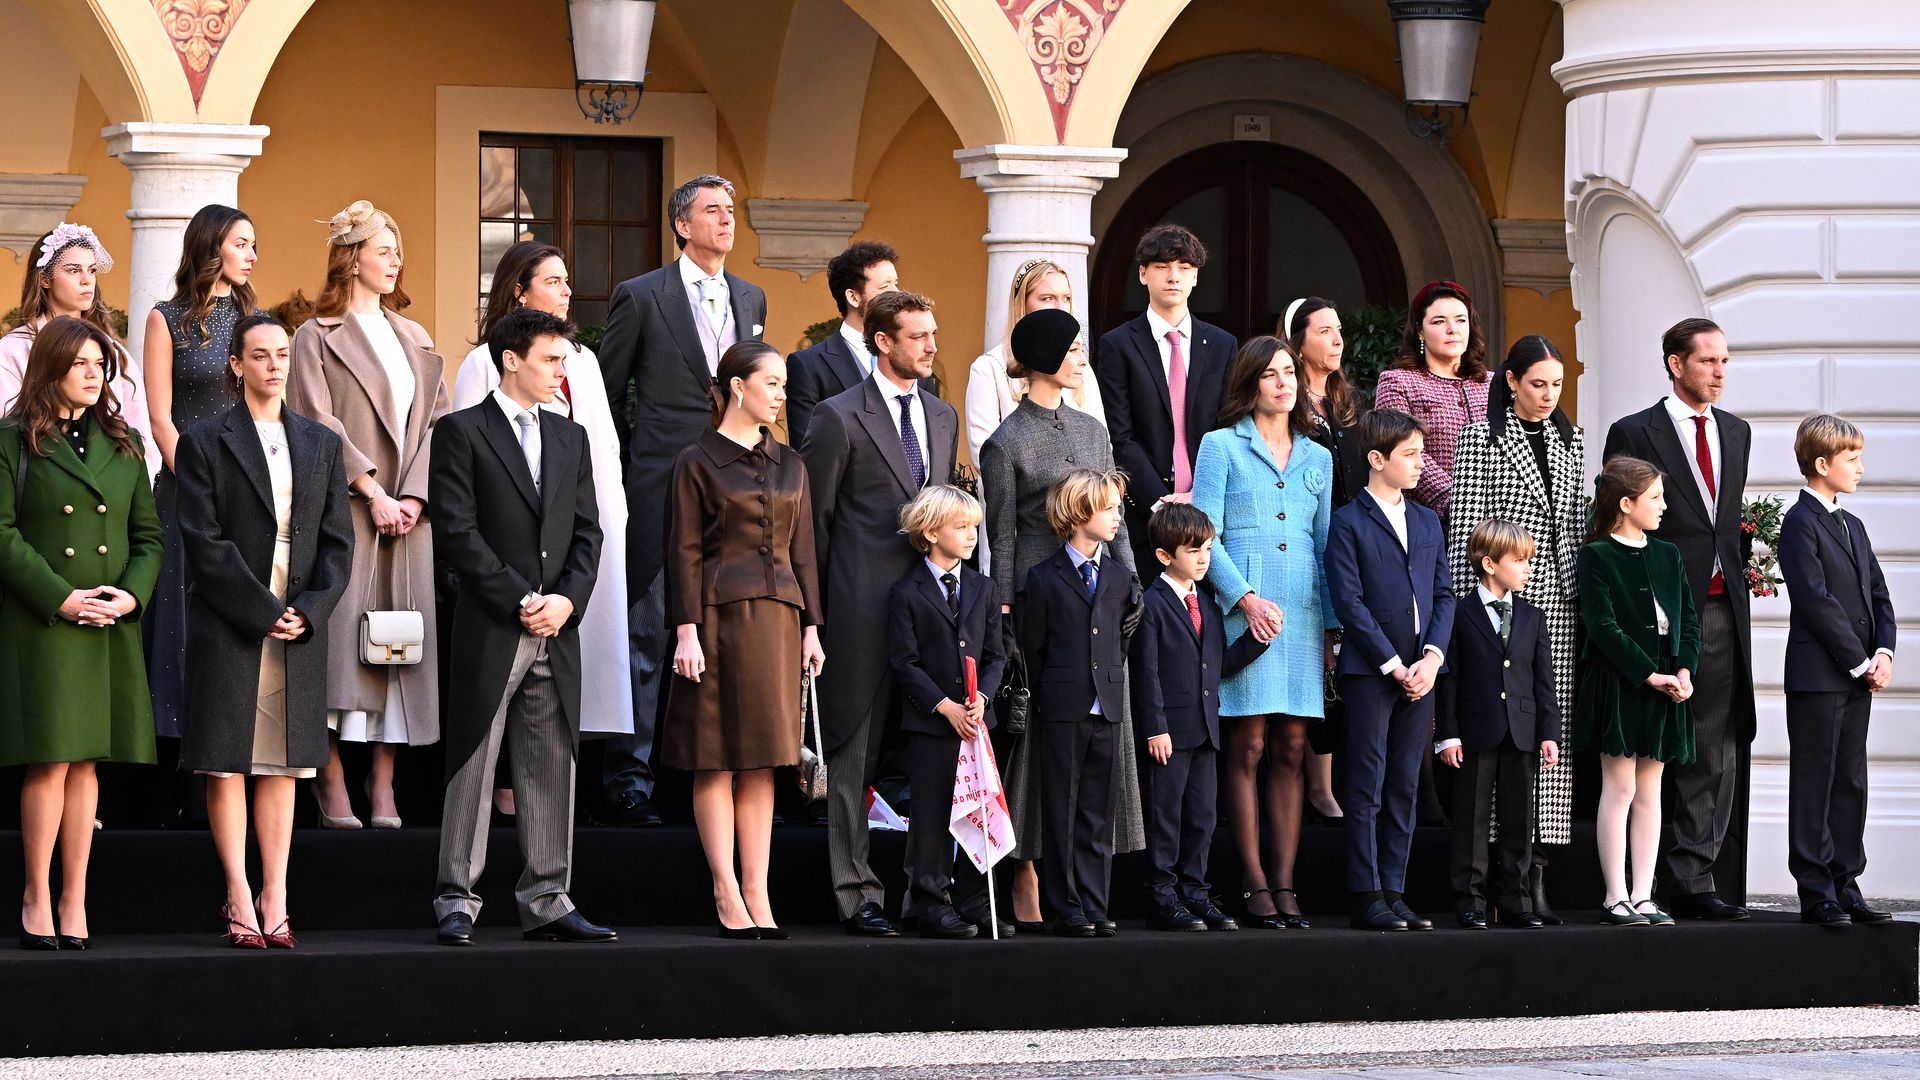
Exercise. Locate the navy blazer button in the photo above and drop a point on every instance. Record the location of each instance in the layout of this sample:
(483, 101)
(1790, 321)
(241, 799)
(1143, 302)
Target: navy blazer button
(1503, 695)
(1096, 629)
(1203, 665)
(543, 554)
(1506, 663)
(963, 644)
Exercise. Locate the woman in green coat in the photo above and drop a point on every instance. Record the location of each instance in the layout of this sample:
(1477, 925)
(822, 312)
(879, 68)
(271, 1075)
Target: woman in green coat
(1643, 640)
(80, 548)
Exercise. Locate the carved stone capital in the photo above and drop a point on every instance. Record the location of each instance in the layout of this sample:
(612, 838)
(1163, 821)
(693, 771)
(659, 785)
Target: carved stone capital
(803, 235)
(33, 203)
(1533, 254)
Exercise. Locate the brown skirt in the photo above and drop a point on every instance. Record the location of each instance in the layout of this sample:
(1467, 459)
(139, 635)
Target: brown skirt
(744, 713)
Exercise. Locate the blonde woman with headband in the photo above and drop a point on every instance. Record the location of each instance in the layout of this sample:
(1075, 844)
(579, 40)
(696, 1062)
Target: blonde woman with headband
(992, 391)
(65, 280)
(371, 375)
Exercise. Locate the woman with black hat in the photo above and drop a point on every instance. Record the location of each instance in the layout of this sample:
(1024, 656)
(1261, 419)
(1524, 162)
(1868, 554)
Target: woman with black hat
(1040, 441)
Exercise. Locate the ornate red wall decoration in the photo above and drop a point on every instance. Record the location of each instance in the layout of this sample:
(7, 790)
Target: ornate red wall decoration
(1060, 37)
(198, 28)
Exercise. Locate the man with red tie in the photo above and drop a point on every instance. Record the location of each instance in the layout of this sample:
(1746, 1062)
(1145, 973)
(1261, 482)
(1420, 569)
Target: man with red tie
(1704, 451)
(1161, 376)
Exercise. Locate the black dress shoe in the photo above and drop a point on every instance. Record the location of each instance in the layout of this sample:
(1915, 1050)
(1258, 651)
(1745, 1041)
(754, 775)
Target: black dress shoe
(1175, 917)
(1105, 928)
(869, 922)
(1274, 921)
(984, 924)
(1210, 914)
(633, 808)
(1407, 915)
(947, 924)
(1826, 913)
(1376, 915)
(1708, 905)
(77, 944)
(571, 927)
(1860, 913)
(39, 942)
(1030, 927)
(1521, 920)
(455, 929)
(1074, 927)
(1471, 920)
(773, 933)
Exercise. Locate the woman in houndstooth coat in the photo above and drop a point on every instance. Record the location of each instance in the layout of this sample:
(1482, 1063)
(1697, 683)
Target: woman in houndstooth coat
(1526, 464)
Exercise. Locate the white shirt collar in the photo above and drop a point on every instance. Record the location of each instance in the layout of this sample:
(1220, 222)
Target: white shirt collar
(1683, 415)
(1825, 503)
(1160, 326)
(934, 569)
(692, 275)
(889, 390)
(1640, 543)
(1487, 598)
(1078, 559)
(1178, 590)
(1393, 509)
(512, 408)
(857, 341)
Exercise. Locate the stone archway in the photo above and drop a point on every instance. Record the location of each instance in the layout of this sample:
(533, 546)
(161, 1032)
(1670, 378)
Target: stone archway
(1356, 128)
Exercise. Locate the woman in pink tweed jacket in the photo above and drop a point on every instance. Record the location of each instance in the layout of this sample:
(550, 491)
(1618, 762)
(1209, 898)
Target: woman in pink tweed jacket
(1440, 380)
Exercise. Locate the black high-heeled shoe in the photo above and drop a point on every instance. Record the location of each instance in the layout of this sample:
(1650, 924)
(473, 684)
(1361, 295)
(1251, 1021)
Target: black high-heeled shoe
(745, 933)
(1293, 921)
(1257, 921)
(772, 933)
(39, 942)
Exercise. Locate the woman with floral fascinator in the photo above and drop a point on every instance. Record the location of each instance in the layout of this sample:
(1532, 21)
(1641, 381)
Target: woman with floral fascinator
(64, 279)
(372, 375)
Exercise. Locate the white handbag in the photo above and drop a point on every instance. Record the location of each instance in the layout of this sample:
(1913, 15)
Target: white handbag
(394, 638)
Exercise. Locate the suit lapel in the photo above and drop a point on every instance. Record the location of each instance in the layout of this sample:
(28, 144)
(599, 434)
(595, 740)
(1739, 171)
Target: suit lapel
(64, 456)
(1519, 457)
(676, 307)
(1178, 606)
(933, 591)
(1063, 565)
(302, 448)
(355, 350)
(499, 435)
(1483, 619)
(743, 327)
(840, 360)
(1733, 447)
(943, 431)
(243, 440)
(1677, 462)
(556, 458)
(1149, 350)
(1247, 430)
(879, 425)
(1379, 517)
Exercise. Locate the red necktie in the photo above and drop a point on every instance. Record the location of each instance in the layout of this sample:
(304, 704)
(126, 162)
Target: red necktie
(566, 393)
(1703, 454)
(1193, 612)
(1177, 398)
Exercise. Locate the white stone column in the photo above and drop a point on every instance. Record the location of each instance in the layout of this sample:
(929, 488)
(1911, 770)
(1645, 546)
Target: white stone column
(177, 169)
(1039, 205)
(1758, 162)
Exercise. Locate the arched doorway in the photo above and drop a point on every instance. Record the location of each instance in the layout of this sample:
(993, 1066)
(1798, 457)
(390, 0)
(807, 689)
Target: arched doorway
(1278, 223)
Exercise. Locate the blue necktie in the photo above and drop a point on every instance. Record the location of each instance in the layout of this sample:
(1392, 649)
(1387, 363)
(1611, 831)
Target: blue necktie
(1090, 576)
(910, 442)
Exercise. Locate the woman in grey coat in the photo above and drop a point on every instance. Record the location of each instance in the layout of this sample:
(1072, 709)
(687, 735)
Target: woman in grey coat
(268, 538)
(1039, 442)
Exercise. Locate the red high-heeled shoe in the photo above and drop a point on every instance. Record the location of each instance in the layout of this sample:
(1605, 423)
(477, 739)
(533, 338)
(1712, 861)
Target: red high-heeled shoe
(282, 936)
(239, 934)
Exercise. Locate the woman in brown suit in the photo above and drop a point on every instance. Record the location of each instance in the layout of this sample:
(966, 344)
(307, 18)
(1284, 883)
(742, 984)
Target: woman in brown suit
(741, 585)
(372, 376)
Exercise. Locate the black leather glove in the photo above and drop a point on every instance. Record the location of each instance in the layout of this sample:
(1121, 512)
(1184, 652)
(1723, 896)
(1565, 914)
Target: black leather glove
(1136, 608)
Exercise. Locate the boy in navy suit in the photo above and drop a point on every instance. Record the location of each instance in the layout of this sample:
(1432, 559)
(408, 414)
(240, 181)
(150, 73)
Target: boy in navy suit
(1839, 654)
(1498, 722)
(941, 614)
(1387, 568)
(1176, 661)
(1073, 612)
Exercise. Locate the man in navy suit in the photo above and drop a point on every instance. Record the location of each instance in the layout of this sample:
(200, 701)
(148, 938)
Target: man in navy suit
(942, 614)
(1704, 450)
(1073, 635)
(1387, 567)
(1840, 637)
(665, 333)
(841, 361)
(1161, 376)
(1498, 721)
(1176, 661)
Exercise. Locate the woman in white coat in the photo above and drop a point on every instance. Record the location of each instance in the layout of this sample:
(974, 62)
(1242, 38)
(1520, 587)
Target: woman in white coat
(533, 274)
(992, 393)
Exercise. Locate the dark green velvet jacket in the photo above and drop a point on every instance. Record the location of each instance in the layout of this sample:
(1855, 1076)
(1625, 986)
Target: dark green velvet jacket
(1618, 585)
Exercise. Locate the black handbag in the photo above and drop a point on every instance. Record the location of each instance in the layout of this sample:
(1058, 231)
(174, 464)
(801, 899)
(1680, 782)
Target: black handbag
(1014, 700)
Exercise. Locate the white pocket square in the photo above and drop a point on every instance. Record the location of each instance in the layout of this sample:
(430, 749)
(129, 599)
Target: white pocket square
(757, 329)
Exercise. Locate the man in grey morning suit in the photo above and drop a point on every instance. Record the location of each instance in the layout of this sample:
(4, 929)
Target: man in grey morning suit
(665, 334)
(868, 450)
(511, 487)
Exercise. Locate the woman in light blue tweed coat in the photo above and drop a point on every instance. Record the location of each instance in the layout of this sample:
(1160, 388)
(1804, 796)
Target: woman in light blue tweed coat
(1268, 488)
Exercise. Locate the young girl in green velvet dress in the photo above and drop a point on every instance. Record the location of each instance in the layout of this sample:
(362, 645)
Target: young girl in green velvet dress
(1643, 640)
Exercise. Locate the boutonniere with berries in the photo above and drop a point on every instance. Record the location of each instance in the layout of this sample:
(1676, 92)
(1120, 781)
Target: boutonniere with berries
(1760, 519)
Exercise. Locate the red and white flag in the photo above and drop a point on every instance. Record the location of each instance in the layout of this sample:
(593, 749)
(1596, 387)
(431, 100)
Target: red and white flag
(979, 822)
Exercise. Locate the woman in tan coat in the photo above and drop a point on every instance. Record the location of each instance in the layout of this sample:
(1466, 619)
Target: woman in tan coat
(372, 376)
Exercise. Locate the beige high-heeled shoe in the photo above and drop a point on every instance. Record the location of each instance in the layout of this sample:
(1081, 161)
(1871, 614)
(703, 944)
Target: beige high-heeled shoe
(379, 821)
(328, 821)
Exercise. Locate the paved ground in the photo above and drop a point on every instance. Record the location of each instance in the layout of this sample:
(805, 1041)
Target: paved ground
(1862, 1042)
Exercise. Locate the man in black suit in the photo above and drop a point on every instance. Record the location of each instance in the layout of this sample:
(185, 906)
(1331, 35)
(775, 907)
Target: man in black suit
(868, 450)
(665, 334)
(1498, 720)
(1161, 376)
(1704, 452)
(513, 511)
(819, 371)
(1840, 641)
(1175, 662)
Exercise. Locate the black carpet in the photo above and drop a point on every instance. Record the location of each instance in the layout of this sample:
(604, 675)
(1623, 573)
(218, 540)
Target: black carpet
(380, 988)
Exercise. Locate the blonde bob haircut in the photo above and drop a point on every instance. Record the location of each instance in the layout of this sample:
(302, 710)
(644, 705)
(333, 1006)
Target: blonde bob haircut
(1080, 494)
(936, 507)
(1824, 435)
(1496, 539)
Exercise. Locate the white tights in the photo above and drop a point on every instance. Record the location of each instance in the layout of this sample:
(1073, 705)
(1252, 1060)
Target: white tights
(1629, 822)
